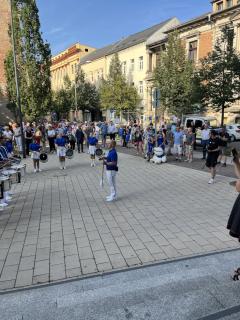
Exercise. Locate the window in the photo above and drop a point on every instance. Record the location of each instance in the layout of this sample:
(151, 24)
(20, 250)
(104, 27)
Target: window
(86, 50)
(132, 64)
(229, 3)
(219, 6)
(124, 67)
(72, 69)
(192, 51)
(140, 63)
(141, 87)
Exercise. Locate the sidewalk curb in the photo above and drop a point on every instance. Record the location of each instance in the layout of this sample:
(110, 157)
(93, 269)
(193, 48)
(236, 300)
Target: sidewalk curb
(222, 313)
(116, 271)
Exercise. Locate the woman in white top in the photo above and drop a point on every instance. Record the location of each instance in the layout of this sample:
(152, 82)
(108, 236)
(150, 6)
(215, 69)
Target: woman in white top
(18, 137)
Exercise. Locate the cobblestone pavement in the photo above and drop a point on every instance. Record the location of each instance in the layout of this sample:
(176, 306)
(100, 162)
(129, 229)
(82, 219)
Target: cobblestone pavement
(59, 225)
(197, 163)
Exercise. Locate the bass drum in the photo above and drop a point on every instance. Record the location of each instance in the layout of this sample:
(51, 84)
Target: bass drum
(99, 152)
(43, 157)
(69, 153)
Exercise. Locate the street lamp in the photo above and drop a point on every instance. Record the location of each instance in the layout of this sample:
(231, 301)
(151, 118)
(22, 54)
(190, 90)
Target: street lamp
(75, 91)
(17, 82)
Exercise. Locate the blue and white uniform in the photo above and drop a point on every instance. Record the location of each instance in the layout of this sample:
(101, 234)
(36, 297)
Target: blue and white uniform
(111, 171)
(61, 150)
(35, 151)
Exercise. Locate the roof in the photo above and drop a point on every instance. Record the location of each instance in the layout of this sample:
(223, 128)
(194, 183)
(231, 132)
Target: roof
(97, 54)
(125, 43)
(189, 22)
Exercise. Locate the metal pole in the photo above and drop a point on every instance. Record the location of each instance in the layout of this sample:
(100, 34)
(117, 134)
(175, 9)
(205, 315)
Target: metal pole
(75, 99)
(17, 82)
(155, 115)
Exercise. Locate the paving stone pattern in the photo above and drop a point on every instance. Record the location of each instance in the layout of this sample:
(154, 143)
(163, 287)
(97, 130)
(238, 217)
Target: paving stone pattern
(59, 226)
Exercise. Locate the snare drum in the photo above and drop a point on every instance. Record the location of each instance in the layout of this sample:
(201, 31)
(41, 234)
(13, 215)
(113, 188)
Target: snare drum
(12, 174)
(21, 168)
(5, 184)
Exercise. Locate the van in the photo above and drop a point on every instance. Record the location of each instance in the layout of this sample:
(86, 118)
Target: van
(199, 122)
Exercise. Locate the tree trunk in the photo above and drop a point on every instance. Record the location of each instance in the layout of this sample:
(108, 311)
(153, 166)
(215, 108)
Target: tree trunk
(222, 118)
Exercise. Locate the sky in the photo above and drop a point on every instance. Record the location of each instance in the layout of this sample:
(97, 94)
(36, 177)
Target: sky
(101, 22)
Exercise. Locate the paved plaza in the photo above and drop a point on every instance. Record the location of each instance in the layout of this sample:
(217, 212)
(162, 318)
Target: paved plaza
(60, 226)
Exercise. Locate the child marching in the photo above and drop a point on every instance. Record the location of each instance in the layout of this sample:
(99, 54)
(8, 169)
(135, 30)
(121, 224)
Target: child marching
(93, 141)
(35, 155)
(60, 143)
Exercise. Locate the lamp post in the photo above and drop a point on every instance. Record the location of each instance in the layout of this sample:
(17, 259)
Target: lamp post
(17, 82)
(75, 92)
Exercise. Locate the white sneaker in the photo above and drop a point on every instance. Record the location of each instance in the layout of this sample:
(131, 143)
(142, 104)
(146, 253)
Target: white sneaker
(34, 170)
(39, 170)
(111, 198)
(8, 198)
(4, 204)
(211, 181)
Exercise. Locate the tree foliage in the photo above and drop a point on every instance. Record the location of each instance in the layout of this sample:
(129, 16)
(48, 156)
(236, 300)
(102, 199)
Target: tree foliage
(87, 94)
(80, 95)
(33, 61)
(115, 92)
(174, 77)
(219, 73)
(63, 100)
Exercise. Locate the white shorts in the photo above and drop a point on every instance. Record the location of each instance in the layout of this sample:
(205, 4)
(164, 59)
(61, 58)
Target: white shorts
(61, 152)
(35, 155)
(92, 150)
(177, 149)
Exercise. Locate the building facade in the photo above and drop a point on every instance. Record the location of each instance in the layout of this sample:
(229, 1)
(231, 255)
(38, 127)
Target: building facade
(135, 58)
(199, 36)
(66, 63)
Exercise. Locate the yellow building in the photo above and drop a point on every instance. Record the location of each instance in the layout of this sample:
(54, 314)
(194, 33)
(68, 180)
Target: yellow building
(135, 59)
(65, 64)
(199, 36)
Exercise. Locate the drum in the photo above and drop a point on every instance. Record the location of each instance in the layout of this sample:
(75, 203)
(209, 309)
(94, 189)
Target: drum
(5, 184)
(43, 157)
(21, 168)
(69, 153)
(99, 152)
(12, 175)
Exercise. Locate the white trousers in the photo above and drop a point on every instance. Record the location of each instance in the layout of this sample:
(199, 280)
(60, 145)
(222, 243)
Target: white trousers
(111, 178)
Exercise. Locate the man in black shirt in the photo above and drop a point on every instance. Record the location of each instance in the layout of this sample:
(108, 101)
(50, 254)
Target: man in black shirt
(213, 153)
(223, 143)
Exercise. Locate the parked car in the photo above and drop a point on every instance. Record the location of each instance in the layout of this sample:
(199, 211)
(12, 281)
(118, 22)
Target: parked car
(233, 131)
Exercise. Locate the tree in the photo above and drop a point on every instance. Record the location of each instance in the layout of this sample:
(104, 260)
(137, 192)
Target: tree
(63, 100)
(81, 92)
(33, 61)
(87, 94)
(219, 73)
(174, 77)
(115, 92)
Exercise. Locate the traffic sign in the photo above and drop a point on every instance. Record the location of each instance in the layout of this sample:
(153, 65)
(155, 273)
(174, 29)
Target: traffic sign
(156, 98)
